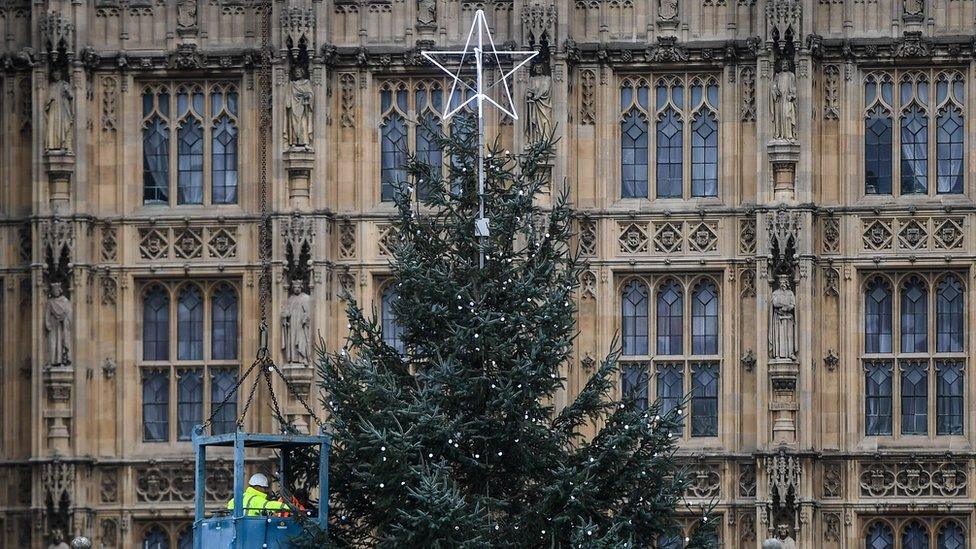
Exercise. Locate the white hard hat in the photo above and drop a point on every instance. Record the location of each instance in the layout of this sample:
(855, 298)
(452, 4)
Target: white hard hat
(258, 479)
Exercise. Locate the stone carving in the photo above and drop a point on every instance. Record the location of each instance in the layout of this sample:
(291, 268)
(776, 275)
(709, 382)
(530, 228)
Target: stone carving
(109, 488)
(298, 233)
(666, 50)
(388, 239)
(782, 321)
(912, 234)
(110, 289)
(948, 233)
(538, 100)
(831, 530)
(747, 235)
(109, 533)
(59, 113)
(783, 473)
(347, 285)
(109, 243)
(668, 237)
(110, 98)
(914, 478)
(57, 479)
(347, 240)
(633, 238)
(186, 56)
(783, 102)
(703, 237)
(57, 37)
(26, 246)
(588, 285)
(57, 327)
(153, 244)
(912, 44)
(831, 92)
(832, 479)
(109, 368)
(426, 14)
(296, 325)
(57, 540)
(587, 237)
(747, 480)
(222, 243)
(186, 14)
(831, 235)
(748, 278)
(747, 112)
(783, 536)
(747, 528)
(748, 360)
(877, 234)
(913, 7)
(587, 113)
(831, 282)
(157, 482)
(705, 481)
(298, 109)
(667, 10)
(188, 244)
(347, 100)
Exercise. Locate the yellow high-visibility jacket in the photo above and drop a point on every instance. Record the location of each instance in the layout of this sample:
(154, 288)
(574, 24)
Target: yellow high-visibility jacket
(257, 503)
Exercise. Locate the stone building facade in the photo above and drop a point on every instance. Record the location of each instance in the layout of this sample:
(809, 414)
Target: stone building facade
(776, 200)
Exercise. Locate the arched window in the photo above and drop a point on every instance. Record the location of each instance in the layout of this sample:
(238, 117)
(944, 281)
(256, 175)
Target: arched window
(950, 160)
(670, 161)
(670, 319)
(189, 395)
(877, 317)
(224, 161)
(155, 538)
(914, 397)
(704, 319)
(392, 331)
(428, 105)
(949, 316)
(704, 154)
(914, 316)
(880, 536)
(223, 333)
(223, 405)
(951, 536)
(877, 397)
(633, 383)
(155, 324)
(155, 160)
(914, 151)
(189, 139)
(189, 329)
(393, 140)
(155, 405)
(915, 536)
(633, 155)
(704, 400)
(877, 152)
(670, 386)
(634, 318)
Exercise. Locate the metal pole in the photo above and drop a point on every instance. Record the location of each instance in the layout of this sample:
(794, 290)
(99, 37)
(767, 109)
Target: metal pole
(481, 147)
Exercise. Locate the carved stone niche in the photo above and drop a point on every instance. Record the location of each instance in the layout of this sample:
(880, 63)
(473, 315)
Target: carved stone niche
(783, 476)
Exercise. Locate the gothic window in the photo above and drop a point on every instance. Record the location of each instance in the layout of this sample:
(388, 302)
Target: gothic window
(155, 325)
(189, 406)
(914, 317)
(634, 381)
(392, 331)
(704, 400)
(880, 536)
(915, 536)
(223, 169)
(181, 132)
(189, 331)
(670, 321)
(949, 316)
(951, 536)
(927, 127)
(675, 366)
(180, 394)
(877, 317)
(410, 113)
(155, 538)
(224, 321)
(899, 372)
(463, 126)
(683, 148)
(634, 318)
(704, 322)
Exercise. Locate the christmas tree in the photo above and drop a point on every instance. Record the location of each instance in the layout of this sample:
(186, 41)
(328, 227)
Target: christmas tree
(445, 429)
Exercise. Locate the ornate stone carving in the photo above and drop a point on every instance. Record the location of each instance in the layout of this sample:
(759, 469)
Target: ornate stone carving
(587, 237)
(633, 238)
(747, 235)
(188, 243)
(174, 482)
(299, 105)
(912, 45)
(108, 529)
(703, 237)
(222, 243)
(587, 114)
(297, 29)
(109, 368)
(153, 244)
(109, 244)
(668, 237)
(783, 226)
(667, 10)
(831, 235)
(186, 56)
(347, 100)
(948, 233)
(25, 247)
(782, 321)
(587, 285)
(57, 327)
(389, 239)
(782, 102)
(831, 282)
(783, 474)
(539, 122)
(747, 528)
(110, 98)
(784, 22)
(914, 478)
(912, 234)
(25, 104)
(186, 15)
(831, 529)
(57, 37)
(748, 360)
(59, 113)
(57, 480)
(666, 50)
(877, 234)
(109, 485)
(347, 240)
(296, 319)
(705, 481)
(298, 233)
(427, 14)
(831, 92)
(110, 289)
(748, 282)
(747, 480)
(832, 479)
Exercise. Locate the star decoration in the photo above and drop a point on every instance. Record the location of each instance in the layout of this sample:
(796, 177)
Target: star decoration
(479, 49)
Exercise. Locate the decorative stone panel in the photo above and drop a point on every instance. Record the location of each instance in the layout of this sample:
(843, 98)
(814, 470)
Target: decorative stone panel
(632, 238)
(160, 243)
(911, 234)
(913, 479)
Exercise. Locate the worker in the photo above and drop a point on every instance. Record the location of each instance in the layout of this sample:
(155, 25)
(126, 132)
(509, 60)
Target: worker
(256, 502)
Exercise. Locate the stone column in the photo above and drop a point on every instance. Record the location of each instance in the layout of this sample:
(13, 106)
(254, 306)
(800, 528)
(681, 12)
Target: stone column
(298, 165)
(60, 165)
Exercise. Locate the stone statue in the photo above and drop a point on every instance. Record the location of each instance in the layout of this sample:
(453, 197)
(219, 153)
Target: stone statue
(667, 9)
(298, 109)
(186, 14)
(59, 114)
(783, 535)
(538, 99)
(782, 322)
(427, 13)
(295, 325)
(57, 327)
(57, 540)
(783, 103)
